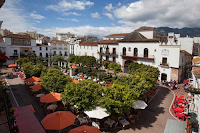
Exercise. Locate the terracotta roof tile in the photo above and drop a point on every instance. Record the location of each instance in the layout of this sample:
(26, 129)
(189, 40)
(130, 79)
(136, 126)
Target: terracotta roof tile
(145, 28)
(115, 35)
(196, 70)
(108, 42)
(88, 43)
(58, 42)
(19, 36)
(196, 60)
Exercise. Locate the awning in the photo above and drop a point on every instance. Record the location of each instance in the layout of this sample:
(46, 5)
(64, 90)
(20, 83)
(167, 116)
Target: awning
(174, 126)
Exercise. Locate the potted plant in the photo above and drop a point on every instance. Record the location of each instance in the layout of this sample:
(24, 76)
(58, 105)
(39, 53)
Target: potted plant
(11, 111)
(13, 120)
(15, 129)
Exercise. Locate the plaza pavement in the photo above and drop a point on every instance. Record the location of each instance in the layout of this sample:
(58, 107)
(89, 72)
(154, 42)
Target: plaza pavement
(152, 120)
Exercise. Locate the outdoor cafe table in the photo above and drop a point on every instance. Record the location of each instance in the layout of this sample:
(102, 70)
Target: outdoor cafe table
(82, 120)
(52, 107)
(180, 115)
(40, 95)
(124, 123)
(109, 122)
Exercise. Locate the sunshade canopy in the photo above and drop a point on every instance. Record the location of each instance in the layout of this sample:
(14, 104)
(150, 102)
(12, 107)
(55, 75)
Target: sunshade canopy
(51, 97)
(98, 113)
(32, 79)
(139, 104)
(12, 65)
(37, 86)
(73, 67)
(75, 81)
(58, 120)
(85, 129)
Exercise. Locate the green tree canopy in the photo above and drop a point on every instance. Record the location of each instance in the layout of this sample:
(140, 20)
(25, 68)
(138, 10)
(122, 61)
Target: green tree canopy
(20, 61)
(114, 66)
(118, 99)
(57, 58)
(89, 61)
(54, 80)
(28, 69)
(84, 95)
(105, 64)
(39, 59)
(32, 58)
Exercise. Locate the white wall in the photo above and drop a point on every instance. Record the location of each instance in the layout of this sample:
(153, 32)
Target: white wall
(82, 50)
(166, 70)
(147, 33)
(186, 44)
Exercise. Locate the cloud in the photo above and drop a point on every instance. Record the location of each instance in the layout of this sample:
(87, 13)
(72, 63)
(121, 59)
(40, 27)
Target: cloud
(71, 13)
(64, 5)
(109, 15)
(37, 21)
(36, 16)
(176, 13)
(109, 7)
(13, 16)
(112, 24)
(86, 30)
(75, 20)
(95, 15)
(119, 4)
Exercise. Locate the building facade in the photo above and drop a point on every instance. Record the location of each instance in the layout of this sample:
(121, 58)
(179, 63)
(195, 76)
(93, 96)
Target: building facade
(61, 48)
(64, 36)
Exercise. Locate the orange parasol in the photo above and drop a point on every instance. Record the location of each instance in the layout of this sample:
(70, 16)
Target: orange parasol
(32, 79)
(51, 97)
(58, 120)
(85, 129)
(31, 107)
(81, 75)
(12, 65)
(37, 86)
(73, 67)
(75, 81)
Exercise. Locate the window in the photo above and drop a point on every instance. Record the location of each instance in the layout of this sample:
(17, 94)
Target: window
(65, 53)
(114, 50)
(129, 49)
(124, 51)
(107, 50)
(15, 52)
(135, 52)
(54, 52)
(60, 52)
(182, 59)
(47, 55)
(145, 52)
(164, 61)
(33, 51)
(107, 58)
(40, 54)
(26, 52)
(85, 53)
(92, 54)
(46, 48)
(24, 42)
(40, 48)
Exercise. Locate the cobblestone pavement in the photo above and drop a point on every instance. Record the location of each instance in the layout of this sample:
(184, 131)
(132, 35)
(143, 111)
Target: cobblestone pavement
(152, 120)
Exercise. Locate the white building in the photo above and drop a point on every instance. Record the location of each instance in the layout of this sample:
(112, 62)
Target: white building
(61, 48)
(17, 46)
(87, 48)
(196, 77)
(64, 36)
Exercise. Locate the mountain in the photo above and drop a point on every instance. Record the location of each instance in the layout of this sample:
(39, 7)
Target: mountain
(192, 32)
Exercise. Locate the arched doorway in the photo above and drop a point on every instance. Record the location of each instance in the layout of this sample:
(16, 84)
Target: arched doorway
(126, 64)
(135, 52)
(124, 51)
(163, 76)
(146, 52)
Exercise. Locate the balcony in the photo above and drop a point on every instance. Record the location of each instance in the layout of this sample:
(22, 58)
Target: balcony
(131, 55)
(14, 56)
(164, 64)
(59, 48)
(108, 54)
(54, 48)
(65, 48)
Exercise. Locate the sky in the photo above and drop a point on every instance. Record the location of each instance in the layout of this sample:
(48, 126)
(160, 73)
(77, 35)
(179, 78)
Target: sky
(97, 17)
